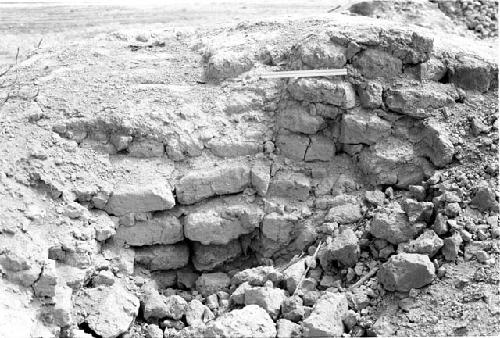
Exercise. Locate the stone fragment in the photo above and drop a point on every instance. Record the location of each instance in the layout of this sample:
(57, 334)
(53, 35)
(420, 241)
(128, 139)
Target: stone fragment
(337, 93)
(343, 249)
(145, 148)
(293, 309)
(120, 141)
(45, 286)
(362, 126)
(296, 118)
(63, 306)
(201, 184)
(197, 314)
(153, 331)
(406, 271)
(108, 312)
(418, 192)
(452, 209)
(267, 297)
(417, 211)
(374, 63)
(440, 226)
(104, 225)
(226, 64)
(207, 257)
(326, 317)
(375, 197)
(419, 102)
(163, 257)
(345, 213)
(251, 321)
(257, 276)
(433, 70)
(220, 226)
(313, 54)
(435, 143)
(238, 295)
(428, 244)
(451, 247)
(176, 307)
(229, 147)
(287, 329)
(103, 277)
(293, 274)
(393, 226)
(294, 186)
(279, 228)
(209, 283)
(292, 145)
(128, 198)
(484, 199)
(470, 73)
(154, 306)
(370, 95)
(321, 148)
(261, 177)
(160, 229)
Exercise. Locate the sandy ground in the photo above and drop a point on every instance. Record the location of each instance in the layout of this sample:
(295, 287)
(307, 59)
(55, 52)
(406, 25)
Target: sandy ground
(28, 25)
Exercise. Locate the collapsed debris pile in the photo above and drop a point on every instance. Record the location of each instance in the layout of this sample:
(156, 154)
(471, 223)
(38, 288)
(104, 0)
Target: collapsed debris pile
(158, 206)
(479, 16)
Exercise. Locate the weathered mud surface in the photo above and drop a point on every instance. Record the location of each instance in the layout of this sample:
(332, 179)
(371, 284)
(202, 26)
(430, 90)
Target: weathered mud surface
(153, 185)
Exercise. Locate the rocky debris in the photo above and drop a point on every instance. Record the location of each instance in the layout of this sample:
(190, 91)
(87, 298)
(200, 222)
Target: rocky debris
(393, 225)
(294, 186)
(222, 180)
(19, 267)
(286, 329)
(63, 305)
(335, 92)
(209, 283)
(163, 257)
(435, 143)
(160, 229)
(238, 295)
(343, 249)
(296, 118)
(128, 198)
(419, 102)
(326, 317)
(229, 148)
(207, 257)
(257, 276)
(293, 274)
(375, 197)
(393, 161)
(225, 64)
(45, 286)
(417, 211)
(451, 246)
(220, 226)
(427, 243)
(176, 307)
(374, 63)
(104, 225)
(153, 331)
(251, 321)
(362, 126)
(108, 312)
(485, 199)
(103, 277)
(198, 314)
(261, 177)
(292, 308)
(344, 213)
(154, 306)
(472, 74)
(406, 271)
(267, 297)
(479, 16)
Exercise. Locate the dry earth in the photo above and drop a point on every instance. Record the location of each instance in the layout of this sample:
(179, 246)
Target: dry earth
(153, 185)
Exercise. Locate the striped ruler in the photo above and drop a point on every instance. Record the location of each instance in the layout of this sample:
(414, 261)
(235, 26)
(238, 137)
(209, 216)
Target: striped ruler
(303, 73)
